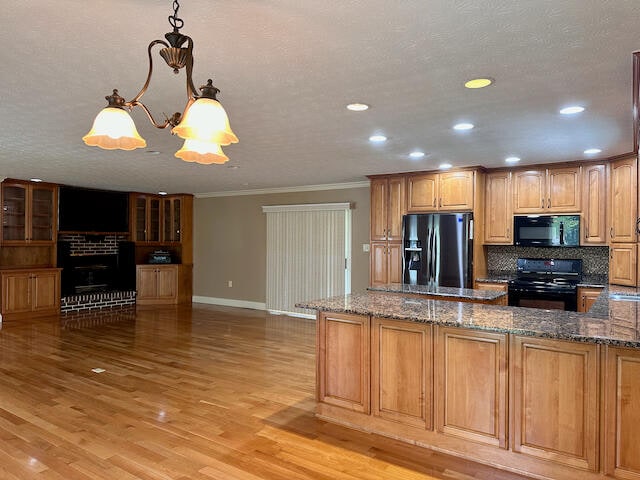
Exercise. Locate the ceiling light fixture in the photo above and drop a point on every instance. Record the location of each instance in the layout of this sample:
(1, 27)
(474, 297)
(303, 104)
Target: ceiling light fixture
(377, 138)
(203, 124)
(572, 110)
(445, 166)
(36, 180)
(478, 83)
(512, 159)
(357, 107)
(416, 154)
(463, 126)
(592, 151)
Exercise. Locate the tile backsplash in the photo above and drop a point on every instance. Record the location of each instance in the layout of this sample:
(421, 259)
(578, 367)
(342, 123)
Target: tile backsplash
(502, 258)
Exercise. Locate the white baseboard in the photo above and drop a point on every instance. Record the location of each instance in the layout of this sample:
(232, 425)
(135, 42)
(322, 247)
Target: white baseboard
(292, 314)
(229, 302)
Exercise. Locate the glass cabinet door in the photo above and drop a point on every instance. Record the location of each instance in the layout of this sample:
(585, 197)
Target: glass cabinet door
(42, 215)
(171, 210)
(154, 220)
(141, 219)
(14, 212)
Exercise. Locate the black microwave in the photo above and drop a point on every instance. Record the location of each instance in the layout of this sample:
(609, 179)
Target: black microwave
(546, 230)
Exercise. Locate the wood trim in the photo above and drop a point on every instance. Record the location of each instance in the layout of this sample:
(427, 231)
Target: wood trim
(636, 99)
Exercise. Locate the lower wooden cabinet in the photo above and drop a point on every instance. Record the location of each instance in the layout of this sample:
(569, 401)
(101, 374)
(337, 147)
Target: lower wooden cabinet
(622, 264)
(555, 400)
(343, 361)
(386, 263)
(622, 413)
(30, 292)
(401, 372)
(587, 296)
(471, 385)
(163, 284)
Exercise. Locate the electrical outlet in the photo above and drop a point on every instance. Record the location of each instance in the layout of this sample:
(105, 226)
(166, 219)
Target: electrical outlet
(365, 247)
(229, 284)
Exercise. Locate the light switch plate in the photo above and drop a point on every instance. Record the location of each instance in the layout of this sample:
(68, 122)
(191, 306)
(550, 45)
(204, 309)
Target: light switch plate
(365, 247)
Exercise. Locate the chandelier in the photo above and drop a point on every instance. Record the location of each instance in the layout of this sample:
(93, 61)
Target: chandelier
(203, 124)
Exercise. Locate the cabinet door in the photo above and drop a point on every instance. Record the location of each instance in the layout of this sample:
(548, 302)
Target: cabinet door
(146, 282)
(401, 372)
(498, 217)
(45, 291)
(456, 190)
(16, 292)
(594, 219)
(140, 218)
(555, 400)
(471, 385)
(167, 282)
(563, 193)
(499, 287)
(171, 219)
(153, 229)
(379, 206)
(622, 264)
(622, 413)
(396, 208)
(394, 257)
(343, 361)
(14, 212)
(587, 296)
(422, 193)
(42, 215)
(624, 199)
(379, 263)
(529, 191)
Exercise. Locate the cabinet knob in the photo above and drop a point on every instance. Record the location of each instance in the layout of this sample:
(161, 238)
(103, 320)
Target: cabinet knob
(549, 203)
(542, 203)
(611, 232)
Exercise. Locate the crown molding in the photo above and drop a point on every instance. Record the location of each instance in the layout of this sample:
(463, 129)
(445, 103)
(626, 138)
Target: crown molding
(303, 188)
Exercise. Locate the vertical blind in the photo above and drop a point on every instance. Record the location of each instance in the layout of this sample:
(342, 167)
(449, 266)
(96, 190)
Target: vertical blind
(308, 254)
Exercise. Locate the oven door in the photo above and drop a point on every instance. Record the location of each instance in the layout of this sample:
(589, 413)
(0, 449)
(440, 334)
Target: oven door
(543, 298)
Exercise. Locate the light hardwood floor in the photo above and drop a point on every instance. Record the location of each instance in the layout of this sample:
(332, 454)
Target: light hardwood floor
(187, 393)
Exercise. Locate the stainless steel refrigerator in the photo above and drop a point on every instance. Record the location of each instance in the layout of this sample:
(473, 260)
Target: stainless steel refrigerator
(438, 249)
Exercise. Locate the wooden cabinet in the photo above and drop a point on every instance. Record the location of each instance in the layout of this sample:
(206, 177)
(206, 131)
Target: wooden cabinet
(171, 219)
(387, 208)
(30, 292)
(401, 360)
(471, 385)
(623, 201)
(449, 191)
(28, 213)
(622, 413)
(157, 284)
(622, 264)
(145, 217)
(594, 197)
(552, 190)
(386, 263)
(498, 215)
(343, 361)
(587, 296)
(555, 400)
(498, 287)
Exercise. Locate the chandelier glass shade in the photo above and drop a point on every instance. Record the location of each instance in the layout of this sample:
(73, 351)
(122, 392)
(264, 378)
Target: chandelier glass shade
(204, 124)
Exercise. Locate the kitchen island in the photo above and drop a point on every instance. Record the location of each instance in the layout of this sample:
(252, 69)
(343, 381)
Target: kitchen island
(551, 394)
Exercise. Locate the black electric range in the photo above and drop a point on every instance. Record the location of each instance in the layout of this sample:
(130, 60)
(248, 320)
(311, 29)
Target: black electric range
(546, 283)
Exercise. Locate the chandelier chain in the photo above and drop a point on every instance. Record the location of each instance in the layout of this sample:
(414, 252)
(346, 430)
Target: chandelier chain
(176, 22)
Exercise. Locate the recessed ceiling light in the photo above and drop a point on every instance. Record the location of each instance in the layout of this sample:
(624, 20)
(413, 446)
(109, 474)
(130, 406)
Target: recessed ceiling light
(377, 138)
(162, 193)
(416, 154)
(512, 159)
(35, 180)
(572, 110)
(357, 107)
(478, 83)
(445, 166)
(463, 126)
(233, 167)
(592, 151)
(153, 152)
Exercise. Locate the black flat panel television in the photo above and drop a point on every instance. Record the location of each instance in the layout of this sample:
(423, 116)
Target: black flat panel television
(90, 210)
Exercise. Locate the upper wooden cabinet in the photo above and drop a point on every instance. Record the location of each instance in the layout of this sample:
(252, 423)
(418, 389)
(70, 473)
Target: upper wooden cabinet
(623, 264)
(449, 191)
(145, 217)
(386, 263)
(28, 213)
(623, 201)
(594, 195)
(551, 190)
(387, 208)
(498, 217)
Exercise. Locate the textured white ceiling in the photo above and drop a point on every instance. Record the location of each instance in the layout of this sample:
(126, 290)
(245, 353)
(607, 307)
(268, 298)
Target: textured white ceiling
(287, 68)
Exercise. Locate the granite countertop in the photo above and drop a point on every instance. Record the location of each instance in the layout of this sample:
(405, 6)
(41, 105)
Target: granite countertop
(435, 291)
(612, 320)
